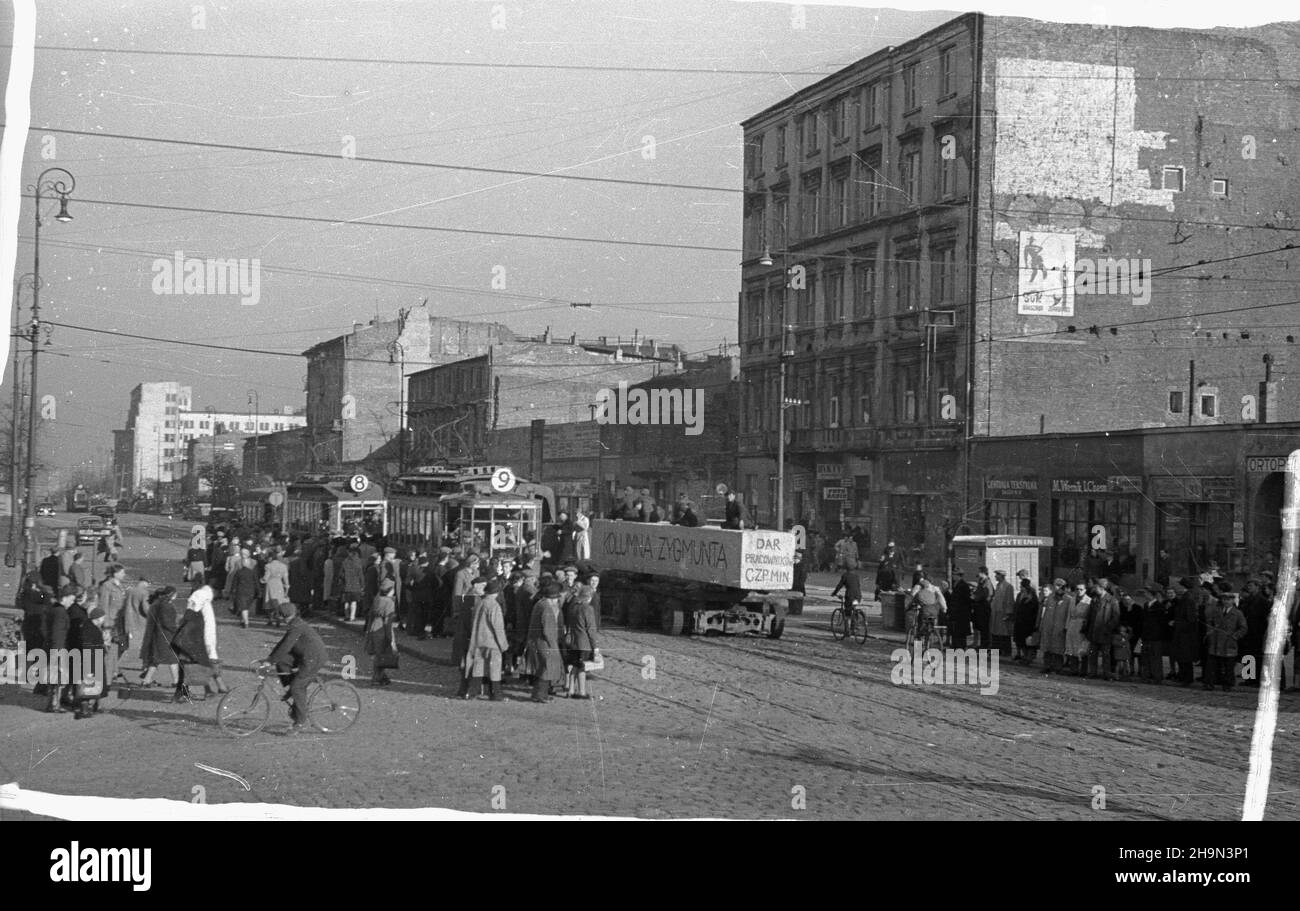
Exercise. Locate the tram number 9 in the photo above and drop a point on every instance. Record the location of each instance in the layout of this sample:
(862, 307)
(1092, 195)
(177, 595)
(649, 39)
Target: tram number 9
(503, 480)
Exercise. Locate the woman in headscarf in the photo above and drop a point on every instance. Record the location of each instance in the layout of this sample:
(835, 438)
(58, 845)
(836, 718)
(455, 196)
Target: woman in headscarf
(580, 638)
(195, 643)
(381, 639)
(156, 646)
(544, 643)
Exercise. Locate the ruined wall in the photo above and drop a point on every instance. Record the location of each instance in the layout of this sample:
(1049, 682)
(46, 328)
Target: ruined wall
(1079, 126)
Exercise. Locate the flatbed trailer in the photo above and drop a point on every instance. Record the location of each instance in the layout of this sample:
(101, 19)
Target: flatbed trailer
(694, 579)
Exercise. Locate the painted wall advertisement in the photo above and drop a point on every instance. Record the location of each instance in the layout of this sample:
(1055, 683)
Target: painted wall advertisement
(1046, 269)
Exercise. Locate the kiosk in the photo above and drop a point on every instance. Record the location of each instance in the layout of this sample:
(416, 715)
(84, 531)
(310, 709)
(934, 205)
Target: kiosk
(1007, 552)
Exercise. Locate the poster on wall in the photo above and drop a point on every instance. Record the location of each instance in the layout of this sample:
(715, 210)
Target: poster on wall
(1046, 269)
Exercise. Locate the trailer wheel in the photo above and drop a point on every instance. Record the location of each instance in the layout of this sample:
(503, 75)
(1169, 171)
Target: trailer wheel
(673, 621)
(778, 627)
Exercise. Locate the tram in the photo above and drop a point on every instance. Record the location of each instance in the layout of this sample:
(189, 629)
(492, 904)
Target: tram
(338, 504)
(485, 507)
(254, 507)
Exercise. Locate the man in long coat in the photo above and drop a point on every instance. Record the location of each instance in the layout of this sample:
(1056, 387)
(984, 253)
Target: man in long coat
(1051, 635)
(1225, 626)
(544, 643)
(487, 643)
(1002, 609)
(1103, 620)
(1185, 645)
(112, 599)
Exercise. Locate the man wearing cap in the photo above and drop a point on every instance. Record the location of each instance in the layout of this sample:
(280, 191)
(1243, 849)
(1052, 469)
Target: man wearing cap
(1185, 640)
(1056, 615)
(381, 642)
(1225, 628)
(463, 620)
(487, 643)
(1103, 620)
(1002, 609)
(297, 657)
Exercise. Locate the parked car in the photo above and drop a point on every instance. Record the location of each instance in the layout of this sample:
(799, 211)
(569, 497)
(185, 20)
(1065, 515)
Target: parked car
(91, 528)
(45, 509)
(107, 514)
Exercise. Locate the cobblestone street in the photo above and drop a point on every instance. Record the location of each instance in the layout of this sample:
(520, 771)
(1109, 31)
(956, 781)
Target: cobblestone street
(799, 727)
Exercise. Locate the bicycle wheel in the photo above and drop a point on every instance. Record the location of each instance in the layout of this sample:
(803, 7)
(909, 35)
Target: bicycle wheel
(837, 623)
(333, 706)
(243, 711)
(859, 630)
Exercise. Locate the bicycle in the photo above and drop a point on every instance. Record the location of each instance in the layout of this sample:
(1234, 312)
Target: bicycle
(847, 622)
(925, 630)
(333, 706)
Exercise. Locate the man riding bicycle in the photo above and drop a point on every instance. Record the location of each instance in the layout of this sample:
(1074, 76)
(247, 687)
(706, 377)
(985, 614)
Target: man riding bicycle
(298, 657)
(851, 584)
(925, 605)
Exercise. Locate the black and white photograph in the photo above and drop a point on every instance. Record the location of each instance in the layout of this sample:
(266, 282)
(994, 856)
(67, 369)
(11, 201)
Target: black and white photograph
(651, 410)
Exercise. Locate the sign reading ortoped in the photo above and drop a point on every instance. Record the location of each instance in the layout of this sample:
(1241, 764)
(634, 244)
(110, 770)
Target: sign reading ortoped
(1265, 464)
(752, 559)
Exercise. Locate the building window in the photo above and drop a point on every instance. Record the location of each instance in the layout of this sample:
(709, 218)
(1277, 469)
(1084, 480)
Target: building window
(871, 96)
(1175, 401)
(909, 88)
(1011, 517)
(943, 383)
(869, 184)
(907, 395)
(754, 156)
(754, 314)
(835, 297)
(907, 271)
(839, 197)
(942, 273)
(946, 167)
(780, 146)
(809, 139)
(839, 117)
(1219, 186)
(946, 81)
(780, 220)
(864, 287)
(833, 416)
(1209, 405)
(1074, 520)
(909, 173)
(1172, 179)
(810, 206)
(808, 302)
(864, 409)
(755, 223)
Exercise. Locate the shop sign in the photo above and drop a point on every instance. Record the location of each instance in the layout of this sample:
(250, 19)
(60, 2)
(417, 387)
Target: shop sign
(829, 472)
(1004, 488)
(1192, 490)
(835, 493)
(1265, 464)
(1112, 485)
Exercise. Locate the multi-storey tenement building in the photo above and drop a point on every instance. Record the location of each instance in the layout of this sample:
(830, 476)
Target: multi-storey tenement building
(1008, 229)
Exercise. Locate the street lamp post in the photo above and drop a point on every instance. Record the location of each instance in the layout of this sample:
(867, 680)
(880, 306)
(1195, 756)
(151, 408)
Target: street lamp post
(398, 350)
(782, 359)
(63, 188)
(15, 435)
(256, 402)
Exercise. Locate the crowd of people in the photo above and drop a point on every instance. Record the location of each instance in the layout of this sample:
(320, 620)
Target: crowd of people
(1093, 627)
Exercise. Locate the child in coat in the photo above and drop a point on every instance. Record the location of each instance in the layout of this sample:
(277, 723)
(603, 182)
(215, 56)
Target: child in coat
(1121, 651)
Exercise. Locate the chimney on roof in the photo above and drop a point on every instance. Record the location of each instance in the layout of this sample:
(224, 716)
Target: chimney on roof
(573, 339)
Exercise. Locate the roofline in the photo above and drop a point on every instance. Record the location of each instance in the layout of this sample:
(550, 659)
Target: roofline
(1277, 426)
(860, 64)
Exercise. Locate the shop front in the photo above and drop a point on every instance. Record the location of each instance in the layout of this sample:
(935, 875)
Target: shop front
(1197, 528)
(1095, 525)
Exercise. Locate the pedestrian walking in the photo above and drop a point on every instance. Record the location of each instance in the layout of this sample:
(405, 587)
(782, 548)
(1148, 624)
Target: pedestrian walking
(195, 644)
(275, 586)
(80, 574)
(381, 635)
(112, 598)
(135, 613)
(54, 634)
(352, 572)
(156, 643)
(1077, 646)
(301, 581)
(1025, 621)
(242, 585)
(1002, 611)
(87, 639)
